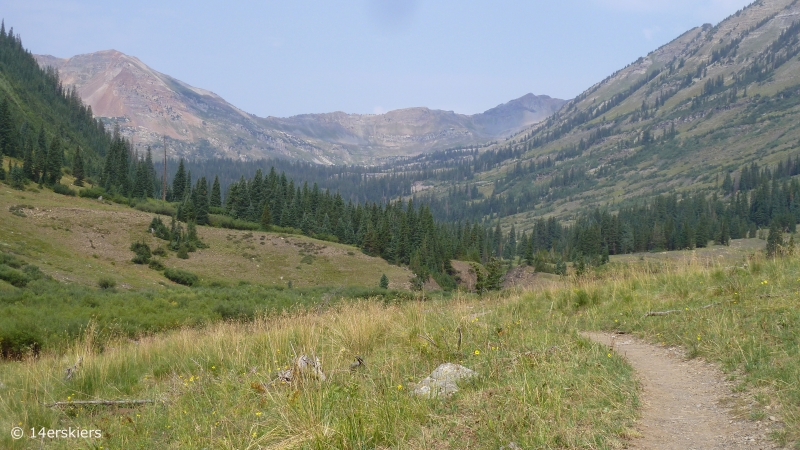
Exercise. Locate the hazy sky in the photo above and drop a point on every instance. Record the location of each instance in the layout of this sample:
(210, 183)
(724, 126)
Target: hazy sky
(282, 58)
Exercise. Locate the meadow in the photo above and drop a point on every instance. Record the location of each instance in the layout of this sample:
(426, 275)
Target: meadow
(540, 384)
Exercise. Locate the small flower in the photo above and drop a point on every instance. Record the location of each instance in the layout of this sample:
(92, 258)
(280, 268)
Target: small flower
(254, 435)
(399, 387)
(477, 352)
(258, 413)
(213, 367)
(698, 337)
(609, 355)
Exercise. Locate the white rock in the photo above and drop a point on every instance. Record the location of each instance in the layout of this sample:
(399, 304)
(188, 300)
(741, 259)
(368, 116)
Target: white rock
(442, 382)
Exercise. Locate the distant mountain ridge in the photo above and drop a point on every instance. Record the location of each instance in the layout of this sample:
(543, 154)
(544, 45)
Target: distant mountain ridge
(200, 124)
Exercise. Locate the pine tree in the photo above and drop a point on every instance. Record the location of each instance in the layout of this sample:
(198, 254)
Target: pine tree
(40, 158)
(774, 240)
(216, 195)
(179, 183)
(200, 198)
(77, 168)
(266, 218)
(384, 283)
(27, 159)
(55, 159)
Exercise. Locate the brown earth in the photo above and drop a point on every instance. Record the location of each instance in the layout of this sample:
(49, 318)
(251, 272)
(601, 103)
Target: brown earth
(685, 403)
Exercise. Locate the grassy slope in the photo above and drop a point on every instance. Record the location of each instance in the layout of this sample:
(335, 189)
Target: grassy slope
(78, 240)
(541, 385)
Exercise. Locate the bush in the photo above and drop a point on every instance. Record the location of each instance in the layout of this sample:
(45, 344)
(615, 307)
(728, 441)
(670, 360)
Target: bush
(181, 276)
(156, 265)
(183, 251)
(106, 282)
(13, 276)
(142, 251)
(160, 251)
(11, 260)
(64, 190)
(92, 192)
(156, 207)
(220, 221)
(160, 230)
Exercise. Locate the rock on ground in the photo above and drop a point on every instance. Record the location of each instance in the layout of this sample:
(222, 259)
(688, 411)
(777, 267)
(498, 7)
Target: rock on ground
(442, 382)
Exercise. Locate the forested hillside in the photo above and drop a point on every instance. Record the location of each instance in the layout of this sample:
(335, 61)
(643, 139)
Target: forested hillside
(42, 122)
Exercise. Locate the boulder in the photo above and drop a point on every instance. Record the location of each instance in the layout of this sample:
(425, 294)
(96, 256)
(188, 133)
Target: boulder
(442, 382)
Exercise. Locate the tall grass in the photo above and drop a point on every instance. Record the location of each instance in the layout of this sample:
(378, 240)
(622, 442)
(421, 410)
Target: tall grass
(540, 385)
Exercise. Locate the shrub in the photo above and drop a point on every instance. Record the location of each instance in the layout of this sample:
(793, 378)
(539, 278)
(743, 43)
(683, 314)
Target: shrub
(160, 251)
(63, 189)
(160, 230)
(156, 207)
(156, 265)
(92, 192)
(220, 221)
(106, 282)
(180, 276)
(13, 276)
(11, 260)
(142, 251)
(183, 251)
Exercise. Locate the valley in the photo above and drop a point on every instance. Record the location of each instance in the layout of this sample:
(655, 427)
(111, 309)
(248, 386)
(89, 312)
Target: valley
(618, 270)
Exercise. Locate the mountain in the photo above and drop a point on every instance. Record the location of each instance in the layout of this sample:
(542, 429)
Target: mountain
(682, 119)
(148, 105)
(415, 130)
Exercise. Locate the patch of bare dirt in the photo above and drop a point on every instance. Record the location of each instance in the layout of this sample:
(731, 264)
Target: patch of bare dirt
(464, 275)
(683, 401)
(526, 278)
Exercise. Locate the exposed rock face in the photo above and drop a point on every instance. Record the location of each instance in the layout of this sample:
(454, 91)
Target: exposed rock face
(148, 105)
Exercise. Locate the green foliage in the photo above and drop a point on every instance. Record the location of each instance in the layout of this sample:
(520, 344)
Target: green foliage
(183, 251)
(106, 283)
(13, 276)
(156, 265)
(180, 276)
(774, 240)
(384, 283)
(159, 230)
(92, 192)
(219, 221)
(142, 252)
(62, 189)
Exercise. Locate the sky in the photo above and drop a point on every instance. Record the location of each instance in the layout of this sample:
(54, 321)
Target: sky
(282, 58)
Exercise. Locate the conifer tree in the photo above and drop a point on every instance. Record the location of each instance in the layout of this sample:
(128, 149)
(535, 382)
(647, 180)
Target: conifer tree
(384, 283)
(40, 158)
(27, 159)
(200, 198)
(179, 183)
(55, 158)
(216, 194)
(77, 168)
(266, 218)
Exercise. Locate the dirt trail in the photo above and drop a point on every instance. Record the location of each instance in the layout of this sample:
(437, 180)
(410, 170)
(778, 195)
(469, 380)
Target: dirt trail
(683, 401)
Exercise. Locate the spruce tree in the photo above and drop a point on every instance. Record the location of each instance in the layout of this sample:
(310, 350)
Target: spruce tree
(40, 158)
(266, 218)
(200, 198)
(55, 159)
(77, 167)
(179, 183)
(774, 240)
(27, 160)
(216, 195)
(384, 283)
